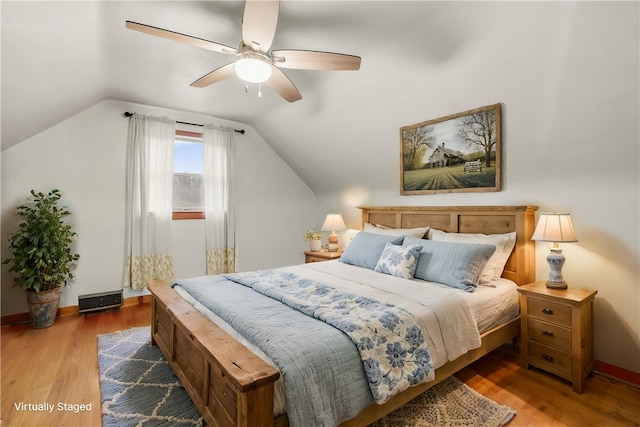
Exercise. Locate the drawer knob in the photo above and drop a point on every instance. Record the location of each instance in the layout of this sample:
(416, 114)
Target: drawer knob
(547, 333)
(547, 357)
(547, 311)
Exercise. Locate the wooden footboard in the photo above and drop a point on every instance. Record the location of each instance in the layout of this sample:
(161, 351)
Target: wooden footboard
(228, 384)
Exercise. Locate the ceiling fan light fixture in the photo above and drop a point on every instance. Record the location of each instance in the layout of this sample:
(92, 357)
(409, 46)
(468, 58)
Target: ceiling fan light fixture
(255, 62)
(253, 67)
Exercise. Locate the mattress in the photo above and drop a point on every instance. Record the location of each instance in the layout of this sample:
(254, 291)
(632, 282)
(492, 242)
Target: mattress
(489, 306)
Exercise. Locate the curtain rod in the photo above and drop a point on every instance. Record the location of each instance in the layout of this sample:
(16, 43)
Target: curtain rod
(241, 131)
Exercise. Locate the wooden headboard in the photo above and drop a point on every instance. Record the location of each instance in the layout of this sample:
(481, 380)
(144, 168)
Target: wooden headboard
(469, 219)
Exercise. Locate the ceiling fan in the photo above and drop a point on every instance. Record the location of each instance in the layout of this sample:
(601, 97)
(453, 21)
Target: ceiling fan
(254, 62)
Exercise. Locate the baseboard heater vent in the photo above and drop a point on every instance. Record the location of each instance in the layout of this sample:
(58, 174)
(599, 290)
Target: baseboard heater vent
(100, 301)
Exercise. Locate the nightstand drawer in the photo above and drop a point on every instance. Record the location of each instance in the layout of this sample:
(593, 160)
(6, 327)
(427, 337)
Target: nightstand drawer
(550, 311)
(551, 359)
(550, 334)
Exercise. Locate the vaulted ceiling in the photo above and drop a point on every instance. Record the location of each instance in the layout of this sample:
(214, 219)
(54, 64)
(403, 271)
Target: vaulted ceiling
(58, 58)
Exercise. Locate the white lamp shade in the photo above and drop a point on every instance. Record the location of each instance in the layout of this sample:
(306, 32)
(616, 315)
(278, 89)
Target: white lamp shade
(333, 222)
(554, 227)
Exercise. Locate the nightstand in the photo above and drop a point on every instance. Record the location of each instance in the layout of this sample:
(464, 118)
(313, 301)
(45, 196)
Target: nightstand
(557, 331)
(312, 256)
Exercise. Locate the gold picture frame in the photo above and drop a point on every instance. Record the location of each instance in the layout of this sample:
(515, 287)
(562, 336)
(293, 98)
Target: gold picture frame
(453, 154)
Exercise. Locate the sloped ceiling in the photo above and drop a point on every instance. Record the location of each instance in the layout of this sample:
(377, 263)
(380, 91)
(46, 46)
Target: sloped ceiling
(59, 58)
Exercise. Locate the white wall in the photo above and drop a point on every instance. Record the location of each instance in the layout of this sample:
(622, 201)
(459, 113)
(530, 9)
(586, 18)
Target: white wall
(84, 157)
(569, 87)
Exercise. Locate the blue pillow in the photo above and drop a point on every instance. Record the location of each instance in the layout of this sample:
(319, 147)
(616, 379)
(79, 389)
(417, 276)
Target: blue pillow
(399, 261)
(365, 249)
(458, 265)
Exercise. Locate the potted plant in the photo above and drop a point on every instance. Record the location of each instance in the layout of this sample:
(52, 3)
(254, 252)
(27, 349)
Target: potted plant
(314, 237)
(42, 256)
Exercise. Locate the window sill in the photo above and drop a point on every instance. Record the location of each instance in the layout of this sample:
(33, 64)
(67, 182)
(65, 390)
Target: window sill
(188, 215)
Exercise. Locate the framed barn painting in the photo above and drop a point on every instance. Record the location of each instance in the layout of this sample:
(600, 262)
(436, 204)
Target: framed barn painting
(458, 153)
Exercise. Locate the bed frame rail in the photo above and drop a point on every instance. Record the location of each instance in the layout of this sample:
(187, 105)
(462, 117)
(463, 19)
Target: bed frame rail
(491, 340)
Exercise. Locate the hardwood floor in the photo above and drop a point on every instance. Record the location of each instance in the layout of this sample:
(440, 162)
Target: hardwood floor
(60, 364)
(542, 399)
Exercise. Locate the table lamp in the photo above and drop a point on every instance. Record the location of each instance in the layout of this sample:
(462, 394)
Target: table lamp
(333, 223)
(556, 228)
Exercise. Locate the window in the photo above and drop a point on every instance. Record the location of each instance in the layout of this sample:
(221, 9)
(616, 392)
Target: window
(188, 180)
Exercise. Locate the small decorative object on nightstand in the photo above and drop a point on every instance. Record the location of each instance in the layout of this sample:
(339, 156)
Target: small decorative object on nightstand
(555, 227)
(312, 256)
(557, 331)
(314, 237)
(333, 223)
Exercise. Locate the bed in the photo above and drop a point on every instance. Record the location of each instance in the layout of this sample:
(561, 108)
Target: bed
(232, 386)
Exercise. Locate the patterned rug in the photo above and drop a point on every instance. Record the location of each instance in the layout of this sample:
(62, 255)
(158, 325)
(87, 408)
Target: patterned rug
(139, 388)
(137, 385)
(450, 403)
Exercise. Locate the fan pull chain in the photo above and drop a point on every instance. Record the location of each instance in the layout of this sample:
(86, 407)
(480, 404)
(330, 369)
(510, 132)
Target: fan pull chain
(246, 89)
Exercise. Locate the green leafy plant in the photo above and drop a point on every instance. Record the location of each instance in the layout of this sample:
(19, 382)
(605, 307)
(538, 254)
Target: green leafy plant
(313, 235)
(41, 246)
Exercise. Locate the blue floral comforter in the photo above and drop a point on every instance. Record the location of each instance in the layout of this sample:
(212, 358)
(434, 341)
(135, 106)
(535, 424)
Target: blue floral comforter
(391, 344)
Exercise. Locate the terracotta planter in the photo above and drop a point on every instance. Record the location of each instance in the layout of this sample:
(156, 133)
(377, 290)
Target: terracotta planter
(43, 307)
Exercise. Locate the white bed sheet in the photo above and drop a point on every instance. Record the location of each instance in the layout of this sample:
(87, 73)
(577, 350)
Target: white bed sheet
(489, 306)
(492, 307)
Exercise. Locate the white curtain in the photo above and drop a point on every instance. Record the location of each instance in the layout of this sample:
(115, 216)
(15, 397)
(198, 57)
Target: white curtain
(149, 200)
(219, 181)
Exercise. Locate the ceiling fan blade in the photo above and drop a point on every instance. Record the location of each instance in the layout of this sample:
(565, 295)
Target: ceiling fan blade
(314, 60)
(182, 38)
(259, 23)
(281, 83)
(215, 76)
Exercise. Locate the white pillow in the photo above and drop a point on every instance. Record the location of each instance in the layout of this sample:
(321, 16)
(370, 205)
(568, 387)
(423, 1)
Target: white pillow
(504, 244)
(413, 232)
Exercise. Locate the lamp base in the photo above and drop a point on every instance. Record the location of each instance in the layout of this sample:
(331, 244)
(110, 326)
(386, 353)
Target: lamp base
(333, 242)
(556, 259)
(557, 285)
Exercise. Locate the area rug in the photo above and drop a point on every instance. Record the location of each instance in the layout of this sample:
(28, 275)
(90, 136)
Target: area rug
(450, 403)
(137, 385)
(138, 388)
